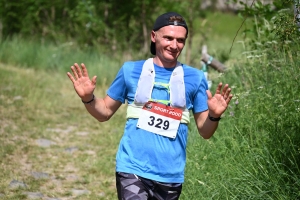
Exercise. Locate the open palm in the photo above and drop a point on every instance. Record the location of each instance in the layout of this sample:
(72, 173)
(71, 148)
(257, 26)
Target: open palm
(83, 85)
(218, 103)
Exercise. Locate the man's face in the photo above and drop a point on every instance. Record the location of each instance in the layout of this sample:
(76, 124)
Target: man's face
(169, 41)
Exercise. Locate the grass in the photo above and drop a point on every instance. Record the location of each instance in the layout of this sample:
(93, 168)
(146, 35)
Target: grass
(38, 105)
(47, 56)
(253, 155)
(255, 152)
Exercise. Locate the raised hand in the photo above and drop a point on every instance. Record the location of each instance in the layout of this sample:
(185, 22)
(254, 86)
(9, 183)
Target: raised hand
(83, 85)
(218, 103)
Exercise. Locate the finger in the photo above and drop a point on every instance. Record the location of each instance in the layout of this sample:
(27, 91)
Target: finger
(229, 99)
(226, 95)
(84, 70)
(219, 88)
(209, 95)
(71, 77)
(74, 72)
(94, 80)
(224, 91)
(78, 70)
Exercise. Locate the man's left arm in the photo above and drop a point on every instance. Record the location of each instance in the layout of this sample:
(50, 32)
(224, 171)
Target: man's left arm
(207, 121)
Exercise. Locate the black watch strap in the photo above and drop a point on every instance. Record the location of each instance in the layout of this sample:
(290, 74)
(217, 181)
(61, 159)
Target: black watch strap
(214, 119)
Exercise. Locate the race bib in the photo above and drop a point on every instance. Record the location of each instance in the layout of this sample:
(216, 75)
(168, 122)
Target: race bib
(160, 119)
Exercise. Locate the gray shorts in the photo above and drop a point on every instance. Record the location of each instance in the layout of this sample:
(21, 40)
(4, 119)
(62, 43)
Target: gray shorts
(133, 187)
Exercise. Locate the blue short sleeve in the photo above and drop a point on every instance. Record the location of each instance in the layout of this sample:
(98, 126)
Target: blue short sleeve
(200, 98)
(118, 89)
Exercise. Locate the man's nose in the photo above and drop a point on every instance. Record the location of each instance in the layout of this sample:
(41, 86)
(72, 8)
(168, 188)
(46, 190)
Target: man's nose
(174, 44)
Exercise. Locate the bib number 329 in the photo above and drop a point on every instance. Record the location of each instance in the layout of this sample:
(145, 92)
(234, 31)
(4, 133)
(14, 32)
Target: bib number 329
(159, 123)
(160, 119)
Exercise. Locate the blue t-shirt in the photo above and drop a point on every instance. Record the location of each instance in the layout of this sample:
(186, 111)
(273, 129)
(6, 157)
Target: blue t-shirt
(147, 154)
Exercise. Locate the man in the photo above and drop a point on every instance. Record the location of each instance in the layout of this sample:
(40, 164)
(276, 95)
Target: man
(160, 92)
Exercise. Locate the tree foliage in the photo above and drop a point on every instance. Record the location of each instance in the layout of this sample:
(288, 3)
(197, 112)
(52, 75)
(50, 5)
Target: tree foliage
(114, 25)
(277, 21)
(124, 26)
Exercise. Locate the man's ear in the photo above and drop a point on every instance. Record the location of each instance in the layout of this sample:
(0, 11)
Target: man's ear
(153, 36)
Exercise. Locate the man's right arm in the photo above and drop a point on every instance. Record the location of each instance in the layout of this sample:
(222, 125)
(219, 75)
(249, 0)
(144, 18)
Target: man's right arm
(103, 108)
(100, 108)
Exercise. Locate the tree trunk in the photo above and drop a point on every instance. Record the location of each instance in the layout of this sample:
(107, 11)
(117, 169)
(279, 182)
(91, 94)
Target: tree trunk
(145, 30)
(190, 36)
(1, 28)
